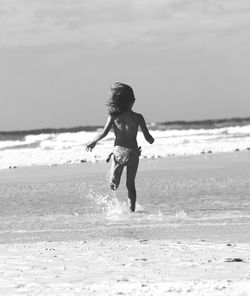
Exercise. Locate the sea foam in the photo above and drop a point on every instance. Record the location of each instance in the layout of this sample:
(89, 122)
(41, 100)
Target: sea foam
(54, 148)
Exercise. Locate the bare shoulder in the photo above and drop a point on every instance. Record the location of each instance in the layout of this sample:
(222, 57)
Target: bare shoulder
(138, 116)
(109, 121)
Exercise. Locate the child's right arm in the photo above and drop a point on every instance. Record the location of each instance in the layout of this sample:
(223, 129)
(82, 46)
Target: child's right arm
(100, 136)
(144, 129)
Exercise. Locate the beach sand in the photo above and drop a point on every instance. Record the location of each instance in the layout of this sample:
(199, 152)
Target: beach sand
(185, 259)
(125, 267)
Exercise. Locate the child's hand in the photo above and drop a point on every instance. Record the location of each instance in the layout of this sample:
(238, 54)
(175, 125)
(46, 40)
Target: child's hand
(90, 146)
(151, 140)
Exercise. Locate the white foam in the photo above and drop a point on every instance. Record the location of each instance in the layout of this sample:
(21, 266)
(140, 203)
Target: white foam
(50, 149)
(109, 204)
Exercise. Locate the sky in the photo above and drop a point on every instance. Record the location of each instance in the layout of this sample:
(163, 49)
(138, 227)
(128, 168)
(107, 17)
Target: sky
(185, 59)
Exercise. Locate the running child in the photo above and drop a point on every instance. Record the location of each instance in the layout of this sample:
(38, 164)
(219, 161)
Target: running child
(125, 124)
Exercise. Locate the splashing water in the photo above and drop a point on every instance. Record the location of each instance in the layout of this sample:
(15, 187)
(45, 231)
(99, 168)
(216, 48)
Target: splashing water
(109, 204)
(112, 207)
(115, 208)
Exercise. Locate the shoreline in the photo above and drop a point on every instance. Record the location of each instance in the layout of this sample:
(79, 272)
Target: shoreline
(230, 157)
(44, 257)
(186, 228)
(229, 233)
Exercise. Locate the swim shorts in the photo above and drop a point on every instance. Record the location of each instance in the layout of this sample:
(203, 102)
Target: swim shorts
(122, 156)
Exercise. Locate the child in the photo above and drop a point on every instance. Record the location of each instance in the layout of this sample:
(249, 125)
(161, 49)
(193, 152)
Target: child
(125, 124)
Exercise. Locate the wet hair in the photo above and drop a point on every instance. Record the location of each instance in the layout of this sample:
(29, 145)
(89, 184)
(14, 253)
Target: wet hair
(120, 100)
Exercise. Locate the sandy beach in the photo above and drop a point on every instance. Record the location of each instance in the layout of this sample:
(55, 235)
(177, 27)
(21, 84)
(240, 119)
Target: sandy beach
(125, 267)
(49, 251)
(87, 86)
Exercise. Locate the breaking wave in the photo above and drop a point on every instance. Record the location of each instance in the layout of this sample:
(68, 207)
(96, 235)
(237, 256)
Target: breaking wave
(59, 146)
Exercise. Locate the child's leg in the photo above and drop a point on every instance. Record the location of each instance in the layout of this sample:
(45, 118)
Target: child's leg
(131, 174)
(115, 175)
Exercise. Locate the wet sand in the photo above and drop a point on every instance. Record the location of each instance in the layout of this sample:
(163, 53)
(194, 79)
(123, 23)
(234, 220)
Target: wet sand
(200, 260)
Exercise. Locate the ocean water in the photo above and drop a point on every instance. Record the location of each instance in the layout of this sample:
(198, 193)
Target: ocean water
(188, 197)
(67, 146)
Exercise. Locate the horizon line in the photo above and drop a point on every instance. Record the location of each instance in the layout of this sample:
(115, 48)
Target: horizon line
(89, 127)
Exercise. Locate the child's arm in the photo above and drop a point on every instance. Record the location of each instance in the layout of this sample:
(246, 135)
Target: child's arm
(144, 129)
(100, 136)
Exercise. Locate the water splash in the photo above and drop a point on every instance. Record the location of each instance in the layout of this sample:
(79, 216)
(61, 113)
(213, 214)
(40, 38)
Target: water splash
(116, 208)
(109, 204)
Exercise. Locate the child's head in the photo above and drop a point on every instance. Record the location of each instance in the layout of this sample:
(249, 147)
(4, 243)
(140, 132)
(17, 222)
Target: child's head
(121, 99)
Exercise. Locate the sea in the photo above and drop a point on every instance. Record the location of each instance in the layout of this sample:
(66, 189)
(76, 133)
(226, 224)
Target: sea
(67, 145)
(184, 190)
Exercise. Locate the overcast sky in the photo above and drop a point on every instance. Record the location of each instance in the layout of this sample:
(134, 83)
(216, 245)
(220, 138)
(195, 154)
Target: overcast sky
(185, 59)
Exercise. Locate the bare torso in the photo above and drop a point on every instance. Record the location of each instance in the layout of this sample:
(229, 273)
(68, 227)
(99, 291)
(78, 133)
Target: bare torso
(125, 129)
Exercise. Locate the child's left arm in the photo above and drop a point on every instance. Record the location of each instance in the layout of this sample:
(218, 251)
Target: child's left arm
(101, 135)
(144, 129)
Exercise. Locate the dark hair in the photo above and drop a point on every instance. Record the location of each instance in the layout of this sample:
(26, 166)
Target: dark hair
(121, 98)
